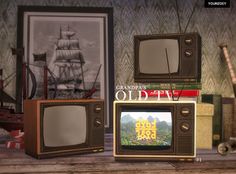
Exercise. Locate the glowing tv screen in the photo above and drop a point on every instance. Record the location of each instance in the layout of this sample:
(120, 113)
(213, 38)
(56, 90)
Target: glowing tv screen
(154, 130)
(146, 130)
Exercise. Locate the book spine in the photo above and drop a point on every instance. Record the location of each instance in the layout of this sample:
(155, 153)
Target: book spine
(166, 93)
(216, 100)
(234, 121)
(17, 141)
(228, 117)
(177, 86)
(14, 145)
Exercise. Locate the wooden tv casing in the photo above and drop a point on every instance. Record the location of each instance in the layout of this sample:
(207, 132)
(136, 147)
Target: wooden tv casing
(33, 133)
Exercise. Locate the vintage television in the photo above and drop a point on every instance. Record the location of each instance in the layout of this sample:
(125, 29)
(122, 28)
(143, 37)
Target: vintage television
(159, 58)
(62, 127)
(155, 130)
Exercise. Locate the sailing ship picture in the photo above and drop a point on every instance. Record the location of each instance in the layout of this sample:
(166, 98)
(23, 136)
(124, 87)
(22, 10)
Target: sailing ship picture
(71, 51)
(69, 62)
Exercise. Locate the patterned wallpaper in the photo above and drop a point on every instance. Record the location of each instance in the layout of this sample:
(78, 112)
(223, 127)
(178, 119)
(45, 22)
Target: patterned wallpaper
(133, 17)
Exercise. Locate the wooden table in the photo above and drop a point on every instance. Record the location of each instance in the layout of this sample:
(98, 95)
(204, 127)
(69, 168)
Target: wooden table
(16, 161)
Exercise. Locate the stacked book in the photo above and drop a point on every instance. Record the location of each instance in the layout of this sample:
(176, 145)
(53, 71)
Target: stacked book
(224, 119)
(228, 118)
(177, 91)
(217, 130)
(16, 141)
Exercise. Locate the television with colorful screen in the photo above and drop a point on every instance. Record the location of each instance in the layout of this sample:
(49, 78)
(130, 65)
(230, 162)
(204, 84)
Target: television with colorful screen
(154, 130)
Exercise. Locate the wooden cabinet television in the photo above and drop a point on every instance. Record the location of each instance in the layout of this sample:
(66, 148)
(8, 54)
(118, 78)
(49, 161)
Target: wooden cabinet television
(62, 127)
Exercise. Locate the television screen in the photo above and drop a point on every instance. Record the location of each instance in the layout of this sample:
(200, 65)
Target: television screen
(152, 56)
(64, 125)
(146, 130)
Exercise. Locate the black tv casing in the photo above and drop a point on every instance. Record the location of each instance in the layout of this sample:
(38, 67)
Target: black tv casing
(189, 69)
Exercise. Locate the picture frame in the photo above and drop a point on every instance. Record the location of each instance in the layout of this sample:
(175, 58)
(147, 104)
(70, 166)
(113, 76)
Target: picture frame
(77, 45)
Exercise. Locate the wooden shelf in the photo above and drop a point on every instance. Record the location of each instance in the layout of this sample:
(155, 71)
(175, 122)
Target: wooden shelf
(16, 161)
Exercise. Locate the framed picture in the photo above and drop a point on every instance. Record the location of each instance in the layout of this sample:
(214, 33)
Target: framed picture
(75, 44)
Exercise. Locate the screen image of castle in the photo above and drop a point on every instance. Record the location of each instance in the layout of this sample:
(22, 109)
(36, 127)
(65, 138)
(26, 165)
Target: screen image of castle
(146, 129)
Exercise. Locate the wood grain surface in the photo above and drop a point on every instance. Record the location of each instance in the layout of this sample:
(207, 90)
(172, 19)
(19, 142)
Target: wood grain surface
(16, 161)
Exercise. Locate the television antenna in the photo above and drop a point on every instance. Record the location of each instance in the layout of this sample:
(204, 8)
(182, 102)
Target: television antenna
(170, 77)
(168, 66)
(189, 19)
(180, 31)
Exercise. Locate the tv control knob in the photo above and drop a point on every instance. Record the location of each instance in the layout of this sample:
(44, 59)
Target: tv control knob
(188, 53)
(97, 122)
(97, 108)
(185, 111)
(185, 127)
(188, 41)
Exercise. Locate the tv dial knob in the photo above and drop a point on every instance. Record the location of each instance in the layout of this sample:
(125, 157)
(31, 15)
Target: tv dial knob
(97, 108)
(185, 111)
(188, 41)
(97, 122)
(185, 127)
(188, 53)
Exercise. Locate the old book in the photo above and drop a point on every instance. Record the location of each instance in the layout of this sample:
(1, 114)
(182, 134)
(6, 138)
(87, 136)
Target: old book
(234, 120)
(176, 93)
(228, 117)
(176, 86)
(216, 100)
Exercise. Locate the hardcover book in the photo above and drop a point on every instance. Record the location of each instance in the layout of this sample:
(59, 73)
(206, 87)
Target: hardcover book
(228, 117)
(176, 93)
(216, 100)
(176, 86)
(234, 121)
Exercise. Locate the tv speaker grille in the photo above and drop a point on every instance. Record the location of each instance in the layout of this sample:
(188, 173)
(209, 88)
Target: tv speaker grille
(185, 145)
